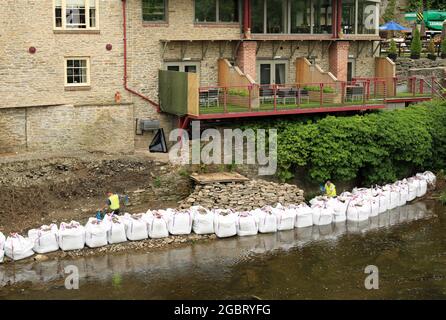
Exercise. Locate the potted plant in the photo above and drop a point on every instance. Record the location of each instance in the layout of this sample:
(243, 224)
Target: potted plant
(431, 50)
(392, 50)
(443, 49)
(415, 46)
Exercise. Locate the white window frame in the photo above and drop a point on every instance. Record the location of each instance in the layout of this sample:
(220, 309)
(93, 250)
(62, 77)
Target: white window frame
(86, 84)
(183, 64)
(87, 16)
(273, 63)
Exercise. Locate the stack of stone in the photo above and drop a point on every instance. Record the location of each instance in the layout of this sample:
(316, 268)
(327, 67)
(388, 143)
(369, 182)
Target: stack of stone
(243, 196)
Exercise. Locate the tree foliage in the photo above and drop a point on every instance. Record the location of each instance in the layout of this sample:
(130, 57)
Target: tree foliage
(415, 46)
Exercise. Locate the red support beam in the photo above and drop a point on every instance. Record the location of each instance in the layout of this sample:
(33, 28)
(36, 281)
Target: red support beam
(246, 17)
(339, 17)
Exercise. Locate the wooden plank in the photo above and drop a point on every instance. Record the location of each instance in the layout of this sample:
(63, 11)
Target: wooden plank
(218, 177)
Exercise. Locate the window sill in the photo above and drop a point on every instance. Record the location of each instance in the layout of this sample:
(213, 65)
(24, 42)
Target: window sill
(216, 25)
(148, 24)
(77, 88)
(76, 31)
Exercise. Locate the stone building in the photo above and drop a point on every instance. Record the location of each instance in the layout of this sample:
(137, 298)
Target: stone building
(79, 74)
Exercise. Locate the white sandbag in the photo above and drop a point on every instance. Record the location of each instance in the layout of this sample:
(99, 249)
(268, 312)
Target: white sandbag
(203, 220)
(403, 192)
(45, 238)
(339, 205)
(157, 225)
(322, 215)
(318, 200)
(304, 216)
(136, 227)
(383, 198)
(115, 227)
(430, 178)
(363, 192)
(394, 196)
(358, 210)
(2, 247)
(180, 223)
(96, 233)
(374, 206)
(285, 218)
(18, 247)
(247, 225)
(225, 223)
(421, 187)
(267, 219)
(71, 236)
(412, 184)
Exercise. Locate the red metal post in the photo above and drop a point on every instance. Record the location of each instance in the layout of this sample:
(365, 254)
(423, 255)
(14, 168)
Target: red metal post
(321, 85)
(432, 87)
(421, 86)
(275, 96)
(334, 23)
(339, 17)
(395, 83)
(225, 107)
(343, 87)
(250, 97)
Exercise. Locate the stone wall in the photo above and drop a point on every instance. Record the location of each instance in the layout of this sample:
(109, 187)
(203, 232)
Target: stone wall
(104, 128)
(404, 65)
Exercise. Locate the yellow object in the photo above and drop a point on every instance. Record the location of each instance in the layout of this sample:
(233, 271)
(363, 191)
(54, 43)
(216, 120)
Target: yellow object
(114, 202)
(330, 190)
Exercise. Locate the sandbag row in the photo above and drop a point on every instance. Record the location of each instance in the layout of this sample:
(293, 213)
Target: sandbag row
(358, 205)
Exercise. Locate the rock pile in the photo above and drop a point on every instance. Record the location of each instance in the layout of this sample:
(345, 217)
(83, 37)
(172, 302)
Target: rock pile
(243, 196)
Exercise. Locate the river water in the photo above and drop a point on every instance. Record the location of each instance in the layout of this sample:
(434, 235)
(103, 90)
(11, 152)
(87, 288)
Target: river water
(407, 245)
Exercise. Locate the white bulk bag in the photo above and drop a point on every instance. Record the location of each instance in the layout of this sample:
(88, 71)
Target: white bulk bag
(304, 216)
(18, 247)
(339, 206)
(318, 200)
(45, 238)
(412, 184)
(383, 198)
(403, 193)
(203, 220)
(429, 177)
(180, 223)
(421, 186)
(115, 227)
(2, 246)
(247, 224)
(358, 210)
(285, 218)
(322, 215)
(267, 219)
(363, 192)
(96, 233)
(135, 227)
(225, 223)
(71, 236)
(374, 206)
(157, 225)
(394, 197)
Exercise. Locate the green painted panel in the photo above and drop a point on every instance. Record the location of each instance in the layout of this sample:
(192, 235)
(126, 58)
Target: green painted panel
(173, 92)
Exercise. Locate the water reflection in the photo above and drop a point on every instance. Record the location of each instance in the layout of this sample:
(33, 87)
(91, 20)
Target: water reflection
(204, 257)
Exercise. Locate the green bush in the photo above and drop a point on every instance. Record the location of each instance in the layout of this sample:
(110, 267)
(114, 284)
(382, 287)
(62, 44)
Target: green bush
(238, 92)
(431, 47)
(415, 46)
(376, 148)
(326, 89)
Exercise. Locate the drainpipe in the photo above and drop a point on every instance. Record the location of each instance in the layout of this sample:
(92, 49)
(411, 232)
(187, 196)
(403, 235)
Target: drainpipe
(154, 104)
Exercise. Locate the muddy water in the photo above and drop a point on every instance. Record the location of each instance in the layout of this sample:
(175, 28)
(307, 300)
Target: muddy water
(408, 245)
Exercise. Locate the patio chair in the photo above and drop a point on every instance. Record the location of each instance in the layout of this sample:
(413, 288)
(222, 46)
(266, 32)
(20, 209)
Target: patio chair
(213, 96)
(266, 94)
(303, 94)
(354, 93)
(286, 94)
(203, 98)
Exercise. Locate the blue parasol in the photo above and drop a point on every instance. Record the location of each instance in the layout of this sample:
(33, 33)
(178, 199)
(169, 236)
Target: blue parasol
(393, 26)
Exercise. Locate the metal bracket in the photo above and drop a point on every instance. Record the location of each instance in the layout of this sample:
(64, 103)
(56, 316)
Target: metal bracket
(165, 45)
(359, 48)
(259, 45)
(325, 50)
(276, 49)
(204, 49)
(183, 49)
(311, 47)
(235, 51)
(293, 48)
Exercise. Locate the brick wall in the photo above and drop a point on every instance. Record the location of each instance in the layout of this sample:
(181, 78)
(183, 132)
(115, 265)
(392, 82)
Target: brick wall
(246, 58)
(338, 58)
(105, 128)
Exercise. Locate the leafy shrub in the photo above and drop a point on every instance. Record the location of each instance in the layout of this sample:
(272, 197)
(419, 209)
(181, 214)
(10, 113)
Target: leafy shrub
(238, 92)
(376, 148)
(431, 47)
(326, 89)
